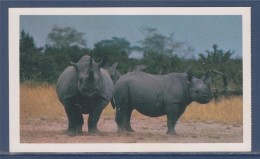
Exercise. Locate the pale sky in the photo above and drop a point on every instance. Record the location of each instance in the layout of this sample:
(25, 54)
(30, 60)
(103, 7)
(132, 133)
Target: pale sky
(200, 31)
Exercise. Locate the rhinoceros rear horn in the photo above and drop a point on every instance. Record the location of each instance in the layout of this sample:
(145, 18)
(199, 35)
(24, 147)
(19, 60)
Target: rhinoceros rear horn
(104, 63)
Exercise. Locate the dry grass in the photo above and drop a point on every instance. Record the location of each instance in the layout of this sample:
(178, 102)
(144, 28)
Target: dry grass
(40, 101)
(225, 111)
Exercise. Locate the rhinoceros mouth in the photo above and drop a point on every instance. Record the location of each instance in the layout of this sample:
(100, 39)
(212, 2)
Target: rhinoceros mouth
(204, 100)
(89, 92)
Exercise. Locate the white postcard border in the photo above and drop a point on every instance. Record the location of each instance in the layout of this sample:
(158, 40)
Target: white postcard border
(14, 84)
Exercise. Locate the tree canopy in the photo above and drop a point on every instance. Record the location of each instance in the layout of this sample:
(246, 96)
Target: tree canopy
(161, 55)
(66, 37)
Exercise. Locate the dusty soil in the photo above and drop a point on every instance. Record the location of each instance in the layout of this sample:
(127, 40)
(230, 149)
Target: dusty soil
(147, 130)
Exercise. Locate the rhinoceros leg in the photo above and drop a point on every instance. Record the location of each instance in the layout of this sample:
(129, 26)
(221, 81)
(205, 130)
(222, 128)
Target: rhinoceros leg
(75, 119)
(92, 122)
(79, 119)
(79, 124)
(71, 114)
(120, 119)
(94, 116)
(181, 111)
(127, 121)
(172, 117)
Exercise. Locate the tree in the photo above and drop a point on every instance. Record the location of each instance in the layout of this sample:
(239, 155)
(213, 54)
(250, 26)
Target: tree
(34, 64)
(117, 49)
(155, 42)
(60, 58)
(217, 59)
(66, 37)
(162, 53)
(29, 57)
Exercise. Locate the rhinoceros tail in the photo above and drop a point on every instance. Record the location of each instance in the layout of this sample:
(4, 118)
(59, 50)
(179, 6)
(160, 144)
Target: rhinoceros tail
(113, 103)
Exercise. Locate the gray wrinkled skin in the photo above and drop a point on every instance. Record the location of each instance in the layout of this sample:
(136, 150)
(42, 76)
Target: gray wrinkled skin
(84, 88)
(157, 95)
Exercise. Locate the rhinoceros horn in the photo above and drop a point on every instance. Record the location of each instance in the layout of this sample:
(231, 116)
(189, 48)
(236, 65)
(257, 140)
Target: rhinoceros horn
(91, 60)
(91, 71)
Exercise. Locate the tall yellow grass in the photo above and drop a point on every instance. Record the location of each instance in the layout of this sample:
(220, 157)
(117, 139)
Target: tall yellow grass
(225, 111)
(40, 101)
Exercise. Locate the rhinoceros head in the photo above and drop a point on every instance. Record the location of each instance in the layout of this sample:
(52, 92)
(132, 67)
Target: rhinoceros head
(88, 75)
(199, 89)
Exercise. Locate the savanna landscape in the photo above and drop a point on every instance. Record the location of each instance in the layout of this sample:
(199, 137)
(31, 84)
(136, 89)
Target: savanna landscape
(43, 120)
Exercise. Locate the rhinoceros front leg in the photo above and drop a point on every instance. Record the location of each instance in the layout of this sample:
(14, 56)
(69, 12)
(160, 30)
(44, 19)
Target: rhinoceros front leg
(71, 114)
(93, 120)
(94, 116)
(172, 117)
(79, 123)
(75, 119)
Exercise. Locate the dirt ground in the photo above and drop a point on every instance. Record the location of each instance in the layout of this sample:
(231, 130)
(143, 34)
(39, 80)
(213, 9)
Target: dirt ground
(147, 130)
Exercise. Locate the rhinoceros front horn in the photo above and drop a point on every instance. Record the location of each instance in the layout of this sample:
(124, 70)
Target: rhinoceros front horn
(91, 60)
(91, 71)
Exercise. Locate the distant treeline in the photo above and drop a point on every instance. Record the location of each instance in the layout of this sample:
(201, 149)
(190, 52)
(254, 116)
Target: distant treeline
(160, 54)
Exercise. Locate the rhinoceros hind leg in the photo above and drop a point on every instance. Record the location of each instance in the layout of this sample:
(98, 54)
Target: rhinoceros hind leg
(171, 132)
(130, 129)
(120, 120)
(127, 122)
(172, 117)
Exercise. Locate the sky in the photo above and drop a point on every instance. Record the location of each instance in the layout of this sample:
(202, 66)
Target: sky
(199, 31)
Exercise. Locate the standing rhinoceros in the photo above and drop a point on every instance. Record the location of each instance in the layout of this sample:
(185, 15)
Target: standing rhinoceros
(157, 95)
(84, 88)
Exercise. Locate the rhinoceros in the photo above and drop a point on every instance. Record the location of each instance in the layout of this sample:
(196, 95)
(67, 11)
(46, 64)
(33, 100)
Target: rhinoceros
(84, 88)
(157, 95)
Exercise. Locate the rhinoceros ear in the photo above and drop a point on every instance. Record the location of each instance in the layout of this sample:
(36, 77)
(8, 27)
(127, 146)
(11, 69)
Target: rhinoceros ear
(114, 66)
(207, 77)
(189, 77)
(104, 63)
(74, 65)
